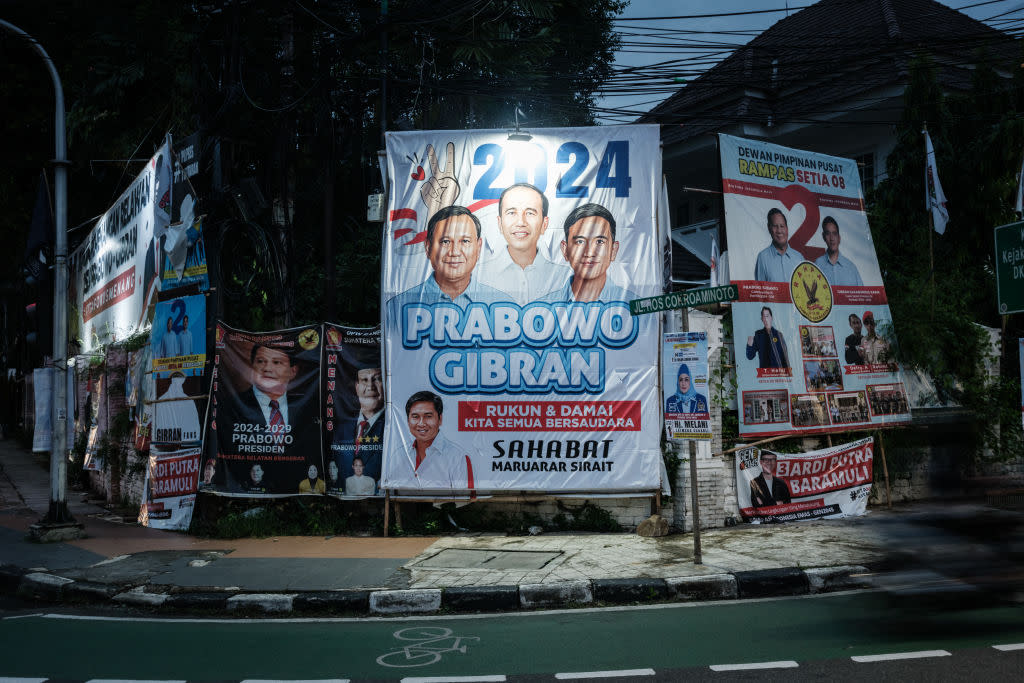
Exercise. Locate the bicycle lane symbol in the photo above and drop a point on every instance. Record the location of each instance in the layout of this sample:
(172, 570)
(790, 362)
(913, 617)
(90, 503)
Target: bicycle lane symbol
(424, 645)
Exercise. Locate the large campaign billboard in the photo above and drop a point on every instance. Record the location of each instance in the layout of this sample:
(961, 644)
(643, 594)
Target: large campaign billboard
(814, 336)
(115, 271)
(263, 438)
(512, 359)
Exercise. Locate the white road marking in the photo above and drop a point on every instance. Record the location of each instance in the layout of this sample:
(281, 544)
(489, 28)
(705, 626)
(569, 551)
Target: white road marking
(1011, 646)
(624, 673)
(786, 664)
(901, 655)
(21, 680)
(21, 616)
(499, 678)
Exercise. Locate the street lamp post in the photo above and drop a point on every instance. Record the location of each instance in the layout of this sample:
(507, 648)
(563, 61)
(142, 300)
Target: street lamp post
(58, 524)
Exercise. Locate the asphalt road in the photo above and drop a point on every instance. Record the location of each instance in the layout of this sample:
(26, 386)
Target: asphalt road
(833, 637)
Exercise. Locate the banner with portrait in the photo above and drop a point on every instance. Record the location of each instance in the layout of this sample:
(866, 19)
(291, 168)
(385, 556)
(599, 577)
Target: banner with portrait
(684, 381)
(794, 487)
(813, 332)
(115, 271)
(179, 336)
(263, 438)
(353, 410)
(169, 493)
(512, 360)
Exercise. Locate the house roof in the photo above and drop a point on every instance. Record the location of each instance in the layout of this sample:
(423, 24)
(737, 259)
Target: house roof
(807, 65)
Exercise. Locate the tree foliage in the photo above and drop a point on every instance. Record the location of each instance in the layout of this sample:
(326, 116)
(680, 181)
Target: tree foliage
(298, 95)
(942, 287)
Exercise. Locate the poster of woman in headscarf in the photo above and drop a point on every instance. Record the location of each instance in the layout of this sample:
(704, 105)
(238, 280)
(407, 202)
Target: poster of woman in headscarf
(685, 385)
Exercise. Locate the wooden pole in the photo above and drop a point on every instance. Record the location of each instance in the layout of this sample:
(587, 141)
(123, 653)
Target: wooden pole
(387, 510)
(885, 469)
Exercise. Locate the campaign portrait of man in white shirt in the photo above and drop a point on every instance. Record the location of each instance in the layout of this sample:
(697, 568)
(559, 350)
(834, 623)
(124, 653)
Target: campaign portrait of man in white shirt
(431, 461)
(520, 268)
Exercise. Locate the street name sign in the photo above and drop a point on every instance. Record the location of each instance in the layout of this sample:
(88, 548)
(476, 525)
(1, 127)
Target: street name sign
(1009, 241)
(692, 297)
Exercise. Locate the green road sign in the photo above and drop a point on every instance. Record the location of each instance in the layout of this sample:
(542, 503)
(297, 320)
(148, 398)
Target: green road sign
(1010, 267)
(692, 297)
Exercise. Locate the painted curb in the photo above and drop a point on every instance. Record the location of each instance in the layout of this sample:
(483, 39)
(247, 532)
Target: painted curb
(826, 579)
(10, 577)
(261, 602)
(699, 588)
(412, 601)
(138, 596)
(555, 594)
(198, 600)
(770, 583)
(90, 591)
(41, 586)
(332, 601)
(481, 598)
(630, 590)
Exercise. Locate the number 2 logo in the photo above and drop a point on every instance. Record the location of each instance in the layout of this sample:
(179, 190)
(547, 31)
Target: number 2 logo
(790, 196)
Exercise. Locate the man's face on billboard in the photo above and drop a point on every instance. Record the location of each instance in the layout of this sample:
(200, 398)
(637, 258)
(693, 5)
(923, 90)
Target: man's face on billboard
(590, 248)
(370, 390)
(454, 248)
(768, 464)
(424, 422)
(830, 233)
(521, 219)
(855, 325)
(779, 230)
(766, 318)
(272, 371)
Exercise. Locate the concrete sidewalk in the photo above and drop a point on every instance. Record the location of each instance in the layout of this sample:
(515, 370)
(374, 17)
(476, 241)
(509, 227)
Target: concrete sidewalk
(130, 564)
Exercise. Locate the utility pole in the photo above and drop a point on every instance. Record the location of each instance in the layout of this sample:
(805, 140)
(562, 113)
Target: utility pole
(58, 524)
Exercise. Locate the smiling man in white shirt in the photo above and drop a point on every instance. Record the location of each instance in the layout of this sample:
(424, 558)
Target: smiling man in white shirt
(521, 269)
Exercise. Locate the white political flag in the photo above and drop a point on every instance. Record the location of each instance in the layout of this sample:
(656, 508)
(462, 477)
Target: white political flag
(714, 262)
(935, 198)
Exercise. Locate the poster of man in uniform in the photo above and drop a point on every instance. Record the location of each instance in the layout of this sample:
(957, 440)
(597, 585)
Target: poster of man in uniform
(263, 438)
(684, 365)
(353, 405)
(114, 272)
(788, 487)
(801, 254)
(512, 360)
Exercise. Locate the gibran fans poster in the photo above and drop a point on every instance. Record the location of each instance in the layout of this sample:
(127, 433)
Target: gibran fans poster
(788, 487)
(814, 336)
(512, 360)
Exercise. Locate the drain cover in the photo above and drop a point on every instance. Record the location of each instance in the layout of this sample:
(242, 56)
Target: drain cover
(457, 558)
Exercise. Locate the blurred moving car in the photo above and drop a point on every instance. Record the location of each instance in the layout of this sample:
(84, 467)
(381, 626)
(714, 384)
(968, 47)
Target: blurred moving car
(952, 556)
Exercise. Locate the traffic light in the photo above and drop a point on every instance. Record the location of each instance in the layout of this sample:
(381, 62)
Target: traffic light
(31, 324)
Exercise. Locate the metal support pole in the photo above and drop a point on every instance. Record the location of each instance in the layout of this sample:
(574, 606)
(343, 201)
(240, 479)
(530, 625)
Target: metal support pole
(58, 513)
(694, 496)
